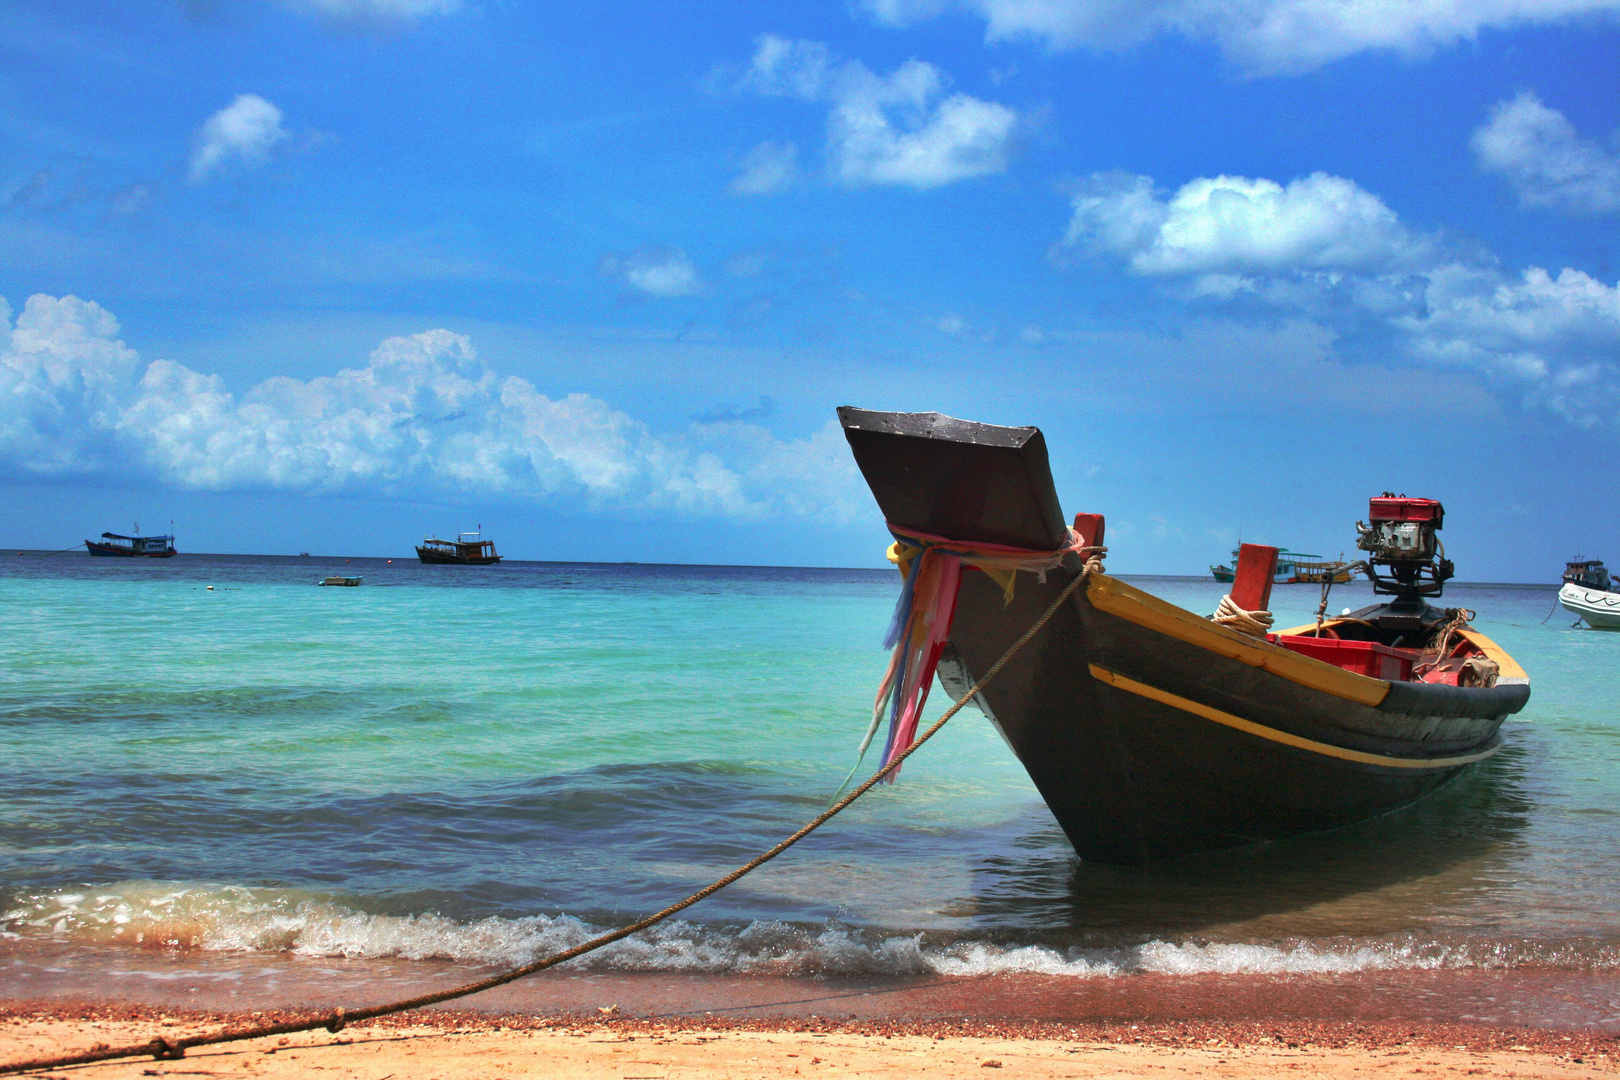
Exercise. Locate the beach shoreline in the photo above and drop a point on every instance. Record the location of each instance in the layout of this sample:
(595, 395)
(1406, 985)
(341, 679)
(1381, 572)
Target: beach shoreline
(448, 1043)
(1549, 998)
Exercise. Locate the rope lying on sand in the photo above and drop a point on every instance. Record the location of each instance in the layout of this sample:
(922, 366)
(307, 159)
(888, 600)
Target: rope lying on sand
(163, 1048)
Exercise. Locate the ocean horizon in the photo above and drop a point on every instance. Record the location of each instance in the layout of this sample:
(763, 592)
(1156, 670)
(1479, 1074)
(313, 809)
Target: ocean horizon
(388, 560)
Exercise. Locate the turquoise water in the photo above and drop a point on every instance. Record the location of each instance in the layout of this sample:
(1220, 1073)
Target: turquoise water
(476, 763)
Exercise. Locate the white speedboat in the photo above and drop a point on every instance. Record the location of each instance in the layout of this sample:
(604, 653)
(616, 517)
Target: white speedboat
(1600, 608)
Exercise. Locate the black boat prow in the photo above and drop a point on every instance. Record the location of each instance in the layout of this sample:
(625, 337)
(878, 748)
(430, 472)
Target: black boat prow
(947, 477)
(1151, 731)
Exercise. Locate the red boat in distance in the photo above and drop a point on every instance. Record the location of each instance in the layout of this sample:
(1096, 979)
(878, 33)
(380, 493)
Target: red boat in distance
(460, 551)
(132, 547)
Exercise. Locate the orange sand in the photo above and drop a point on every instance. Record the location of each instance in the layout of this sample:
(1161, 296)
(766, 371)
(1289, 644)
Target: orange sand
(488, 1049)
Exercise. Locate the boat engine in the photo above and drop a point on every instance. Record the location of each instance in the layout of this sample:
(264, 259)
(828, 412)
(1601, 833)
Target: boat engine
(1400, 537)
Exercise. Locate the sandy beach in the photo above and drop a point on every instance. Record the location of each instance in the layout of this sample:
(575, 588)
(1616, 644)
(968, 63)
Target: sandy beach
(448, 1046)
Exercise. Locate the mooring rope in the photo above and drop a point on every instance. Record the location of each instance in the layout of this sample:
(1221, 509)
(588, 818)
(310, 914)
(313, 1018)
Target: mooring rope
(1460, 619)
(163, 1048)
(1321, 609)
(1253, 623)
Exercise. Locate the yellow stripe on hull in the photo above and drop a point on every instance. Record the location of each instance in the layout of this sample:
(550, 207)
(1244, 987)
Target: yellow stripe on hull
(1176, 701)
(1109, 594)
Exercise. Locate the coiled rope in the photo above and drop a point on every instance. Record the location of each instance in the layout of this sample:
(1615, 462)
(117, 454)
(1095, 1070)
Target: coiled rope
(1255, 623)
(1460, 618)
(163, 1048)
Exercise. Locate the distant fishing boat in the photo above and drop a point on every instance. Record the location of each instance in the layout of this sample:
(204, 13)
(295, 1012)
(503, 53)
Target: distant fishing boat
(130, 547)
(1296, 568)
(1149, 730)
(1588, 592)
(1588, 574)
(1334, 571)
(339, 580)
(461, 551)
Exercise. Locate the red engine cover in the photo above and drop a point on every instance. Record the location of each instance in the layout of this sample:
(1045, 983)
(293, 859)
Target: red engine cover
(1400, 508)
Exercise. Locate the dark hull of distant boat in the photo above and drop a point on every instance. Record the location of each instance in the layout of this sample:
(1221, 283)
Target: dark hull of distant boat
(1149, 731)
(96, 547)
(427, 555)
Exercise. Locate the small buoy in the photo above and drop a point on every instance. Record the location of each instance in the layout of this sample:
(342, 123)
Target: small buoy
(390, 562)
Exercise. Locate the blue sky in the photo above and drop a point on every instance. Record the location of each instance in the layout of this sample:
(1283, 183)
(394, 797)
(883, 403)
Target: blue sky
(330, 275)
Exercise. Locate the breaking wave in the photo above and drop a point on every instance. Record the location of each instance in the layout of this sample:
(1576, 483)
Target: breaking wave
(169, 916)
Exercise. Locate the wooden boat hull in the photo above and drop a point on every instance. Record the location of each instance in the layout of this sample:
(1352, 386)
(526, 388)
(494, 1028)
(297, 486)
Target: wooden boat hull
(445, 559)
(1147, 744)
(1149, 731)
(1600, 609)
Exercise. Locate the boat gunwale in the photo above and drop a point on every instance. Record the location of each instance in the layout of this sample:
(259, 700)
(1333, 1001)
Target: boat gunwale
(1510, 673)
(1115, 597)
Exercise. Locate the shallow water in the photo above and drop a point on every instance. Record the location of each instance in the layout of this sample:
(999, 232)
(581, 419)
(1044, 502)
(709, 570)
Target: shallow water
(473, 764)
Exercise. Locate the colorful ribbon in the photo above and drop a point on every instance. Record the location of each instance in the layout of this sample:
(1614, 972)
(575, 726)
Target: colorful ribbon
(921, 626)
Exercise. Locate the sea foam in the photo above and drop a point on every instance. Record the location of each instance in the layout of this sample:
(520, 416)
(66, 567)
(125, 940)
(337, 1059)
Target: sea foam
(167, 915)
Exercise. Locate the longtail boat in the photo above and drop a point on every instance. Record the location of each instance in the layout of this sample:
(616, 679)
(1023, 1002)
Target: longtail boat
(1149, 730)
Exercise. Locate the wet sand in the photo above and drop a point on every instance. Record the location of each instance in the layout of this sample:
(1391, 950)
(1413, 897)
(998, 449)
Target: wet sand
(450, 1046)
(1522, 1022)
(241, 982)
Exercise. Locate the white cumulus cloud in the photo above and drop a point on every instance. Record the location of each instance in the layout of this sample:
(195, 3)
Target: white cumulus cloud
(904, 128)
(662, 272)
(424, 414)
(244, 130)
(1547, 163)
(62, 372)
(1233, 224)
(785, 67)
(1323, 246)
(768, 168)
(1263, 36)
